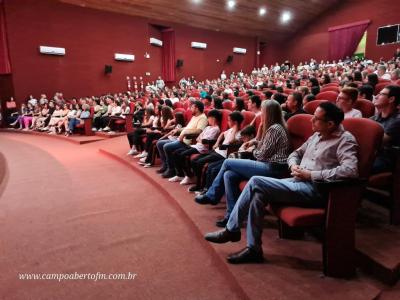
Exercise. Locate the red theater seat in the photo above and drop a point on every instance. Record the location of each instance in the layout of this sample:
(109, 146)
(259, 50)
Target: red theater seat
(366, 107)
(338, 217)
(329, 95)
(380, 86)
(330, 88)
(311, 106)
(248, 116)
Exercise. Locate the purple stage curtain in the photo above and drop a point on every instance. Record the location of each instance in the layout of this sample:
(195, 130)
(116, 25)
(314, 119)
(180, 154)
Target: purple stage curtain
(5, 66)
(168, 55)
(344, 39)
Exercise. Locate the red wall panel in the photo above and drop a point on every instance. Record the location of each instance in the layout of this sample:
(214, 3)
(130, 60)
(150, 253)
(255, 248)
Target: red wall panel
(313, 40)
(91, 38)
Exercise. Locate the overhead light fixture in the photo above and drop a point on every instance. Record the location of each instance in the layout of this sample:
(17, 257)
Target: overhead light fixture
(262, 11)
(286, 16)
(231, 4)
(196, 1)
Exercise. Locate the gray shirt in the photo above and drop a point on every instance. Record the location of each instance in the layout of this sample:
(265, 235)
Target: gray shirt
(328, 159)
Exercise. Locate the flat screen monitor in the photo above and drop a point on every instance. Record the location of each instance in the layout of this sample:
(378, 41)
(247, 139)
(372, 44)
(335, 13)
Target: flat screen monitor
(388, 35)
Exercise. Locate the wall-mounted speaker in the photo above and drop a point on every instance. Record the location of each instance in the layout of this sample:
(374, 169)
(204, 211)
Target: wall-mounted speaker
(179, 63)
(107, 69)
(229, 59)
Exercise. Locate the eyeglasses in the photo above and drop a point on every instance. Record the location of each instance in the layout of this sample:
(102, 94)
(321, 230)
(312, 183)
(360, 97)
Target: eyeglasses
(314, 118)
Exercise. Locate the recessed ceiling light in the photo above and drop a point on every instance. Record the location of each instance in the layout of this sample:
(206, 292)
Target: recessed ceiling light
(262, 11)
(286, 16)
(231, 4)
(196, 1)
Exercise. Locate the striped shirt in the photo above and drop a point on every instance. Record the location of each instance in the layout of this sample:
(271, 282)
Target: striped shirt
(274, 146)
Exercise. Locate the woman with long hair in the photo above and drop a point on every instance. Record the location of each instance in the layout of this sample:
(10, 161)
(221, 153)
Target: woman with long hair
(271, 151)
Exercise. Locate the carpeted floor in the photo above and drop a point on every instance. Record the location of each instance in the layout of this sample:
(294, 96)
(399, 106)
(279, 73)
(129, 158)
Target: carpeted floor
(67, 208)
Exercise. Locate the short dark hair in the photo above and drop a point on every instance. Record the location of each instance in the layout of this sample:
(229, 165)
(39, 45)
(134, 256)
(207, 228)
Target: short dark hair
(199, 105)
(208, 97)
(249, 130)
(239, 104)
(394, 91)
(216, 114)
(256, 100)
(366, 90)
(310, 97)
(298, 97)
(236, 116)
(332, 112)
(218, 103)
(279, 97)
(168, 102)
(373, 79)
(268, 94)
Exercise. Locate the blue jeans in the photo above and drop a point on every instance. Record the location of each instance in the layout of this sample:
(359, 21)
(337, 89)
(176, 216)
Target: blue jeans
(160, 147)
(72, 124)
(261, 191)
(233, 171)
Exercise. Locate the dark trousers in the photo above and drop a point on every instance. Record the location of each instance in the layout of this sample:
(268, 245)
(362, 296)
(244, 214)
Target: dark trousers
(181, 161)
(135, 137)
(149, 146)
(212, 172)
(199, 162)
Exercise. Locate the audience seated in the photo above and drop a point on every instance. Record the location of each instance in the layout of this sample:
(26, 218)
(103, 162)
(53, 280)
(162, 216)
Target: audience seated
(272, 149)
(329, 154)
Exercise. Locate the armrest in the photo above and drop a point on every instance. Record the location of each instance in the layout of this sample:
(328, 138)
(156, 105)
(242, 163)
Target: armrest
(324, 187)
(208, 142)
(191, 136)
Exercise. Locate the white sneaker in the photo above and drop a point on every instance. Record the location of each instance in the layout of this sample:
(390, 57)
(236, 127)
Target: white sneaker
(142, 163)
(175, 179)
(94, 129)
(187, 180)
(106, 128)
(25, 129)
(111, 132)
(143, 154)
(143, 159)
(138, 155)
(132, 152)
(148, 165)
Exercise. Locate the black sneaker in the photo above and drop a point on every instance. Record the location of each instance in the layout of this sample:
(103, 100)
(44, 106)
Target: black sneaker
(194, 188)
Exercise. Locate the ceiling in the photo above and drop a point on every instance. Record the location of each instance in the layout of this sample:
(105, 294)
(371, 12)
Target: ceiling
(244, 19)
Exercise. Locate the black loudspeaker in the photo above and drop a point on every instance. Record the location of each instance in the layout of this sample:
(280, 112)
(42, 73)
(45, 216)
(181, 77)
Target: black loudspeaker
(107, 69)
(179, 63)
(229, 59)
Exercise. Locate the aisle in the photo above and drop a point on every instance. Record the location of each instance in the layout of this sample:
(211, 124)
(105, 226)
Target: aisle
(67, 208)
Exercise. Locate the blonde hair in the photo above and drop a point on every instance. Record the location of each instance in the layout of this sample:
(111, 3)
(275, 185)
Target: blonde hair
(272, 113)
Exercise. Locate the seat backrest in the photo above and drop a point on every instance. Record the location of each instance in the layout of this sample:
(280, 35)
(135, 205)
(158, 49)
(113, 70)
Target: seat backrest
(328, 95)
(380, 86)
(334, 84)
(369, 135)
(227, 105)
(248, 116)
(188, 115)
(366, 107)
(181, 110)
(300, 129)
(257, 122)
(178, 105)
(330, 88)
(224, 121)
(311, 106)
